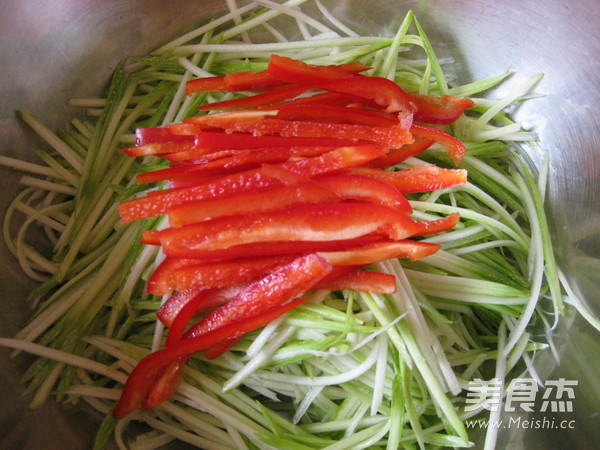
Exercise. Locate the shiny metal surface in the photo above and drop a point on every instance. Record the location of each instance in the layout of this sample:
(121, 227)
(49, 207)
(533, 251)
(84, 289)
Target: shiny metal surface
(55, 49)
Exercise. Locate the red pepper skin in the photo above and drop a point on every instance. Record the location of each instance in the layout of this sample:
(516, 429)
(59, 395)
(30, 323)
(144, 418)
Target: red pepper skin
(273, 96)
(200, 155)
(439, 225)
(182, 143)
(281, 248)
(286, 282)
(307, 223)
(380, 251)
(335, 114)
(205, 84)
(315, 100)
(221, 141)
(169, 310)
(439, 110)
(220, 274)
(161, 202)
(361, 281)
(421, 178)
(390, 136)
(378, 92)
(145, 136)
(161, 281)
(453, 146)
(271, 198)
(398, 155)
(366, 189)
(219, 166)
(217, 350)
(295, 71)
(142, 390)
(251, 81)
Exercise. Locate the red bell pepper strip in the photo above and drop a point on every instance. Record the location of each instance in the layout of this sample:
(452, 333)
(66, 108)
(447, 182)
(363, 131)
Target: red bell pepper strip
(161, 202)
(361, 281)
(242, 160)
(438, 225)
(366, 189)
(378, 92)
(453, 146)
(205, 84)
(161, 281)
(251, 81)
(439, 110)
(202, 154)
(421, 178)
(282, 284)
(224, 273)
(169, 310)
(145, 136)
(218, 349)
(270, 97)
(295, 71)
(142, 382)
(316, 100)
(398, 155)
(335, 114)
(380, 251)
(220, 140)
(271, 198)
(162, 148)
(391, 137)
(273, 247)
(327, 222)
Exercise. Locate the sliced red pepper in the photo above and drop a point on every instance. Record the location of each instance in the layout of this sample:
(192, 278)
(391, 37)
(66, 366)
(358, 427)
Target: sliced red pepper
(439, 110)
(161, 281)
(220, 140)
(205, 84)
(453, 146)
(398, 155)
(162, 148)
(390, 136)
(251, 81)
(335, 114)
(438, 225)
(380, 251)
(217, 350)
(220, 166)
(209, 299)
(223, 273)
(145, 136)
(161, 202)
(280, 248)
(375, 91)
(316, 100)
(421, 178)
(328, 222)
(284, 283)
(295, 71)
(361, 281)
(367, 189)
(261, 200)
(141, 389)
(270, 97)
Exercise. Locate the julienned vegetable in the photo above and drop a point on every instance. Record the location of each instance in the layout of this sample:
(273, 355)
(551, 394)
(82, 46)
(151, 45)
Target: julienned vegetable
(342, 369)
(296, 218)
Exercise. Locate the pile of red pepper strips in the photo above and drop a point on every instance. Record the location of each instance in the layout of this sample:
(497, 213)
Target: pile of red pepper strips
(282, 192)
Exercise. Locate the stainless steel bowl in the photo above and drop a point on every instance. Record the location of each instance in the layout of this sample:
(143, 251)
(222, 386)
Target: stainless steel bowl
(55, 49)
